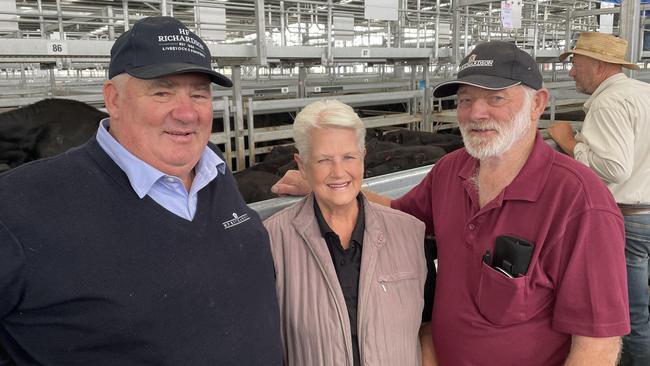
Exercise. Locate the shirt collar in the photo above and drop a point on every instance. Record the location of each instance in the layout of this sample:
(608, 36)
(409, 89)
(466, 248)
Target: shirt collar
(604, 85)
(530, 181)
(359, 226)
(143, 176)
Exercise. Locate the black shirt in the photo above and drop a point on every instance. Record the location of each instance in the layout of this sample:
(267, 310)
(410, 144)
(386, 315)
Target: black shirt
(347, 263)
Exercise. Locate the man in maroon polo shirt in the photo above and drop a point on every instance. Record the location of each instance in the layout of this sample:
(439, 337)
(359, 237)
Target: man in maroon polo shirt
(530, 242)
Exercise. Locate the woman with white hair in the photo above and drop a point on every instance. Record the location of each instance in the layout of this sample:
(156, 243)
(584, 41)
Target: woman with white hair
(350, 273)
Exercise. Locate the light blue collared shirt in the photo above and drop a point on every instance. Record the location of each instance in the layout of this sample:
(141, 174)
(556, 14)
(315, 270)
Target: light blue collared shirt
(167, 190)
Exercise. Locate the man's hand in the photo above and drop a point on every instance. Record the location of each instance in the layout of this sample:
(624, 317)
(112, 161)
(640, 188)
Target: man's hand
(588, 351)
(562, 133)
(292, 184)
(426, 345)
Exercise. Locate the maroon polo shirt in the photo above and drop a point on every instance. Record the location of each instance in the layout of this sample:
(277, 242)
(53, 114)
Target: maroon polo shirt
(576, 281)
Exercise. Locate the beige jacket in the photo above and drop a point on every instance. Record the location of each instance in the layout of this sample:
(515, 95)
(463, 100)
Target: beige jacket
(315, 322)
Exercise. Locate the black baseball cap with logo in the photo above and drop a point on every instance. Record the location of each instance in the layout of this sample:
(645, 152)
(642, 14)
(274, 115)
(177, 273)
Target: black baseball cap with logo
(161, 46)
(493, 65)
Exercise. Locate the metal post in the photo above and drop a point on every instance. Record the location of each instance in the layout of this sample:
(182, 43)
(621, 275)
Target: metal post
(567, 34)
(260, 27)
(388, 35)
(426, 107)
(111, 23)
(40, 19)
(239, 117)
(399, 32)
(59, 16)
(330, 56)
(413, 101)
(52, 80)
(455, 36)
(417, 31)
(251, 131)
(163, 7)
(368, 31)
(302, 81)
(125, 14)
(23, 77)
(489, 22)
(197, 18)
(466, 40)
(535, 30)
(630, 30)
(436, 40)
(227, 131)
(283, 41)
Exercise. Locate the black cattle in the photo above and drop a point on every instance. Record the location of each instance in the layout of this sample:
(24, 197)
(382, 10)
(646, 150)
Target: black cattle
(447, 141)
(276, 159)
(46, 128)
(381, 162)
(374, 145)
(255, 185)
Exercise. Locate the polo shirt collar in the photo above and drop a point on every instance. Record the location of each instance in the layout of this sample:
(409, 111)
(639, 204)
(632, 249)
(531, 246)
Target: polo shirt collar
(532, 177)
(143, 176)
(359, 226)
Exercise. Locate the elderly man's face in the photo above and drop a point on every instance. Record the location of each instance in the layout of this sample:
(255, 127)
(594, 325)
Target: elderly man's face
(166, 122)
(491, 121)
(334, 168)
(583, 72)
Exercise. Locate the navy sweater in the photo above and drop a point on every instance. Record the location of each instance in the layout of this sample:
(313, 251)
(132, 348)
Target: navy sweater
(90, 274)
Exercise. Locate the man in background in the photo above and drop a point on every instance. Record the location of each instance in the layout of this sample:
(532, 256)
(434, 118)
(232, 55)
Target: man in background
(613, 142)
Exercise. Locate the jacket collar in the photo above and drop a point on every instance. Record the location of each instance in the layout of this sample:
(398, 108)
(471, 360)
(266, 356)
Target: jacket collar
(306, 224)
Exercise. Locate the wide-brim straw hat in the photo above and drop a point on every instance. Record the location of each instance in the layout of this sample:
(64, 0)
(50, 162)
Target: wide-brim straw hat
(603, 47)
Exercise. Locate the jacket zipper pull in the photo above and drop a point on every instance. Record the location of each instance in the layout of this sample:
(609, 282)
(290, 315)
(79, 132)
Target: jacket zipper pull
(382, 284)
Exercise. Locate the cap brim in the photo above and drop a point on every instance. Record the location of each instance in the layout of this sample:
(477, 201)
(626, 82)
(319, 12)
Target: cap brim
(489, 82)
(600, 57)
(160, 70)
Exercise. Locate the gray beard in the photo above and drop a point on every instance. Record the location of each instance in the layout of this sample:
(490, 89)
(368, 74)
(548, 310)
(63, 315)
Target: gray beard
(508, 134)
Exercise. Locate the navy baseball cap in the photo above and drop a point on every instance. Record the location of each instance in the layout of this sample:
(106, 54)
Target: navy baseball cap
(160, 46)
(493, 65)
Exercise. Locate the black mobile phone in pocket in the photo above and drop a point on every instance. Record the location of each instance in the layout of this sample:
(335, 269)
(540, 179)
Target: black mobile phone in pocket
(512, 255)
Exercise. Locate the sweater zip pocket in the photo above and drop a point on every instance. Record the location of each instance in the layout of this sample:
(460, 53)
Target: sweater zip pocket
(386, 280)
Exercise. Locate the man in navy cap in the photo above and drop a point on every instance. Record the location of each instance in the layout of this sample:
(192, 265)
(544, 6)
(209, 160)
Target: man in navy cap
(137, 248)
(530, 242)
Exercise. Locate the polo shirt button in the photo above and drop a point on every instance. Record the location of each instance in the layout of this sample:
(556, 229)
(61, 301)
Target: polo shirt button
(170, 179)
(472, 227)
(343, 262)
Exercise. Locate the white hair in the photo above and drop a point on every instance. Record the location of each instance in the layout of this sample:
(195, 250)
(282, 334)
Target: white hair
(325, 114)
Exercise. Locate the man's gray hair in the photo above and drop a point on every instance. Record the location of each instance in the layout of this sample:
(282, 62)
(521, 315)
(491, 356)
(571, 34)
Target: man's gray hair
(120, 80)
(325, 114)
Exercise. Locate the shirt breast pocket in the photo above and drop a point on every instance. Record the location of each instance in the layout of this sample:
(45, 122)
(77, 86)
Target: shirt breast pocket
(500, 299)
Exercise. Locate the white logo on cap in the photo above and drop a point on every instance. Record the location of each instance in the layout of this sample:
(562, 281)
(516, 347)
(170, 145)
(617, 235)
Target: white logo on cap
(181, 42)
(473, 62)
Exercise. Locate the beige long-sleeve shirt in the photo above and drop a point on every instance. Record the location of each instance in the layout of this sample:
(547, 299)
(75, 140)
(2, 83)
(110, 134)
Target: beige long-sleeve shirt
(614, 138)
